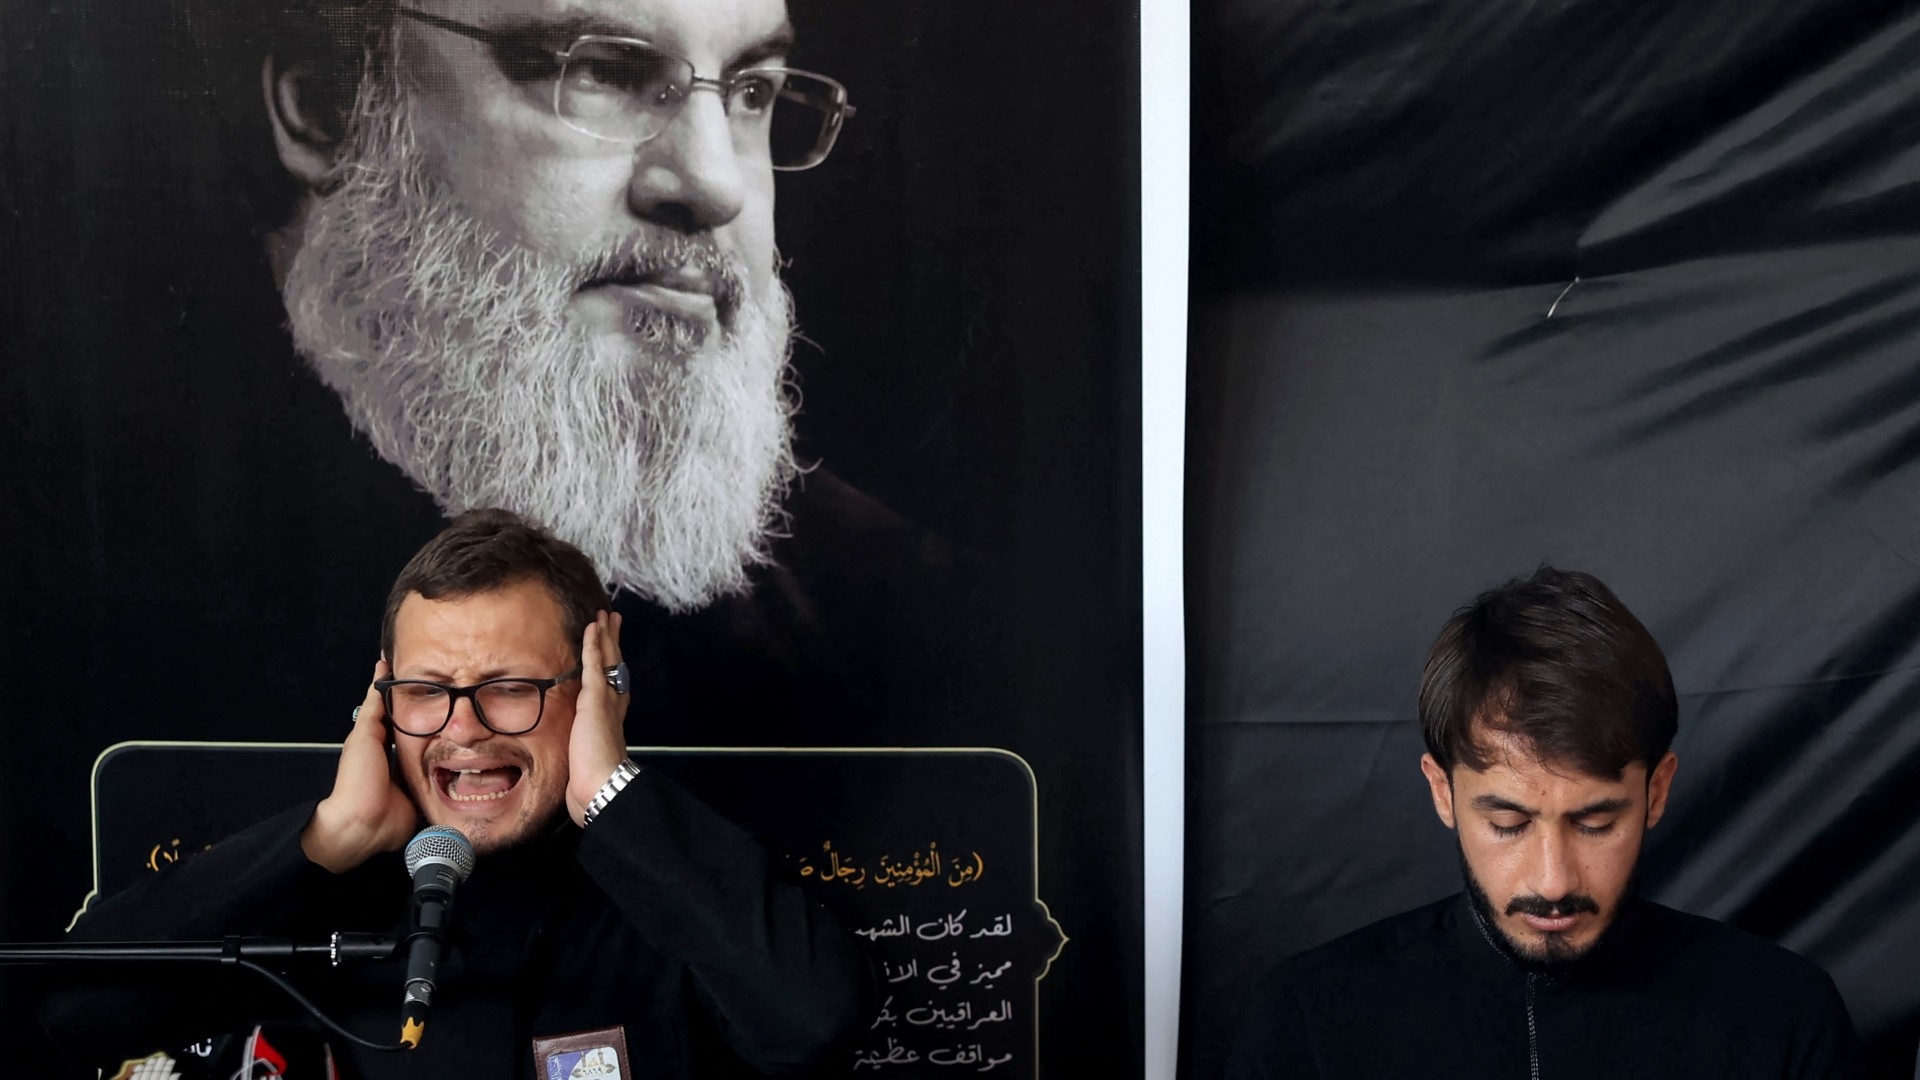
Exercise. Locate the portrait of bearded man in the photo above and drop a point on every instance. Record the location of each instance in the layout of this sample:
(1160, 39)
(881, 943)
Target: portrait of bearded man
(296, 282)
(430, 282)
(299, 281)
(585, 329)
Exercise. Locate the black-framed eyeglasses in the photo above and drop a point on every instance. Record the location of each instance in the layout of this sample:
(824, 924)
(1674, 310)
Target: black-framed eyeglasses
(628, 90)
(510, 706)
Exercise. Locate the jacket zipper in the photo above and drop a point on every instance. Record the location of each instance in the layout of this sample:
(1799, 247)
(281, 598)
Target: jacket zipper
(1533, 1034)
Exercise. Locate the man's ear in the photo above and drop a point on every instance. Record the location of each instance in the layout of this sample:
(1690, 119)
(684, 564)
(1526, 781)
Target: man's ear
(308, 120)
(1659, 783)
(1440, 786)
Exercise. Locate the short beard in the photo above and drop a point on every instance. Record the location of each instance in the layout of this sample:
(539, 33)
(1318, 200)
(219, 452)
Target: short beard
(1554, 956)
(452, 351)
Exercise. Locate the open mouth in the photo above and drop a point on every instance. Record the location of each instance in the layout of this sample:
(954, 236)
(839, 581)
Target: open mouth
(476, 786)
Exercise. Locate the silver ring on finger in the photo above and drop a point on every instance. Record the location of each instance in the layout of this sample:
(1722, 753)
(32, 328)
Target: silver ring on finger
(619, 678)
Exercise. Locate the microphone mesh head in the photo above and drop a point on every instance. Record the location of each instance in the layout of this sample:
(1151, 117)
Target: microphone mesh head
(442, 844)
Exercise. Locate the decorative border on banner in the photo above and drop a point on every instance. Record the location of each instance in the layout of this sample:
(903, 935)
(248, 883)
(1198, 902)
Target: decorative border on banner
(1033, 790)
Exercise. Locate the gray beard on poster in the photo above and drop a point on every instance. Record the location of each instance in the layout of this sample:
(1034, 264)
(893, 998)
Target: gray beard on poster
(452, 353)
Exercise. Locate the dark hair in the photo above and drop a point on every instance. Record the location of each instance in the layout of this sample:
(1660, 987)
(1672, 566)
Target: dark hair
(1556, 661)
(218, 46)
(484, 550)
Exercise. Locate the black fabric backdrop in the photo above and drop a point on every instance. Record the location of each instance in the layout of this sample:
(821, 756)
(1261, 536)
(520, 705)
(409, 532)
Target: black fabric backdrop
(1721, 419)
(193, 545)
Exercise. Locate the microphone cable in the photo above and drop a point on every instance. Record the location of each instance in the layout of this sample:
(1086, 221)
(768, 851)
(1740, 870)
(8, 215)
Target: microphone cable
(328, 1022)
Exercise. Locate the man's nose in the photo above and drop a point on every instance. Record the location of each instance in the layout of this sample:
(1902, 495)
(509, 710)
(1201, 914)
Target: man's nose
(464, 727)
(690, 177)
(1555, 873)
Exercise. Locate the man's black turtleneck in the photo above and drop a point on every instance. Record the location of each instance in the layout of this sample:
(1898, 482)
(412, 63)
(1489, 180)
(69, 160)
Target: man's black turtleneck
(1429, 993)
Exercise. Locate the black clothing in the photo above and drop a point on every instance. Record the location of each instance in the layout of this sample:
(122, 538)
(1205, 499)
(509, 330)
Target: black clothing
(659, 902)
(865, 629)
(1427, 994)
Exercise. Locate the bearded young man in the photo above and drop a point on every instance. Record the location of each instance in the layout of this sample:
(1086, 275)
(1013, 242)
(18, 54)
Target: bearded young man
(1548, 712)
(604, 897)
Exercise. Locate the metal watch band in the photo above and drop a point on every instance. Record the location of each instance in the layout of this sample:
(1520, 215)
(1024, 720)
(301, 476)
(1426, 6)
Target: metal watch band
(623, 775)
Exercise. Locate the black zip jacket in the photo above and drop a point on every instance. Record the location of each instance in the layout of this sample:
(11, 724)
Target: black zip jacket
(1428, 994)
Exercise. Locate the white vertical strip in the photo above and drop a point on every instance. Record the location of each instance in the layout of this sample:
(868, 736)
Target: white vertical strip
(1164, 67)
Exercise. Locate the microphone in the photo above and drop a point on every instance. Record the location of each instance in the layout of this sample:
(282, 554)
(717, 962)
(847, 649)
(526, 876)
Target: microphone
(439, 858)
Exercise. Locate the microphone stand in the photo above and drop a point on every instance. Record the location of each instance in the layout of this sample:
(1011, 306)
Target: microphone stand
(246, 952)
(336, 950)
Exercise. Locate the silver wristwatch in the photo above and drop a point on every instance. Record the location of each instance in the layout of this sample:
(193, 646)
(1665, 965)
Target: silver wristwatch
(623, 775)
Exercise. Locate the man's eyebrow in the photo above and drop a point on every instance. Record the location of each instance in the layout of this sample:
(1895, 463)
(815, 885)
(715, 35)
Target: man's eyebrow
(774, 46)
(1496, 804)
(440, 675)
(559, 30)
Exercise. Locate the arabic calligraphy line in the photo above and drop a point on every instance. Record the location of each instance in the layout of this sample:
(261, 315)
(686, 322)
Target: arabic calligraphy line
(890, 872)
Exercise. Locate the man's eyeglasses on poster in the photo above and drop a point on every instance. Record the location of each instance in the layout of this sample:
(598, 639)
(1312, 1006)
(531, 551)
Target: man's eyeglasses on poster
(623, 89)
